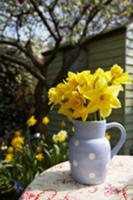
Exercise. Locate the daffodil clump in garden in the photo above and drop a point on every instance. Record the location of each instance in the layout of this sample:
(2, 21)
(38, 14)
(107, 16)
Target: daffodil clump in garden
(25, 155)
(89, 96)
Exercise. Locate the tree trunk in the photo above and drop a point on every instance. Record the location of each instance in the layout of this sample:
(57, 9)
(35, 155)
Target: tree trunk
(41, 101)
(39, 92)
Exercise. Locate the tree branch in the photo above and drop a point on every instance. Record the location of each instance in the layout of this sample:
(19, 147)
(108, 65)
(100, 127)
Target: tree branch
(67, 64)
(32, 70)
(108, 2)
(42, 17)
(39, 63)
(54, 20)
(15, 44)
(82, 13)
(36, 60)
(95, 10)
(91, 16)
(22, 13)
(53, 4)
(17, 30)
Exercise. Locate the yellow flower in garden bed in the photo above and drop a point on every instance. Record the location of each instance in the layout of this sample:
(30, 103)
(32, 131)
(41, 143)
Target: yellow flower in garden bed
(39, 156)
(31, 121)
(17, 142)
(55, 138)
(84, 94)
(9, 157)
(60, 137)
(45, 120)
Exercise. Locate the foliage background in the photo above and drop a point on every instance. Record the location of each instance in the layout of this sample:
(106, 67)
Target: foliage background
(16, 97)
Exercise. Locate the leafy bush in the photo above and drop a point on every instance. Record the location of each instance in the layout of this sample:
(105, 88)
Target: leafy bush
(16, 96)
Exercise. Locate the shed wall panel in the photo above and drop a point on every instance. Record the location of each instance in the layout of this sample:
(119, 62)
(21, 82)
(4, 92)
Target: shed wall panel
(129, 88)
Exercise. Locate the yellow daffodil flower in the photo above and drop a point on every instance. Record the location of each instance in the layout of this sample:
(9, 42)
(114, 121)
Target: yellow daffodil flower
(81, 112)
(103, 98)
(116, 71)
(55, 138)
(104, 101)
(57, 95)
(100, 83)
(60, 137)
(9, 157)
(100, 73)
(72, 80)
(87, 85)
(39, 156)
(53, 97)
(10, 150)
(123, 79)
(76, 101)
(82, 77)
(17, 142)
(31, 121)
(118, 77)
(45, 120)
(64, 110)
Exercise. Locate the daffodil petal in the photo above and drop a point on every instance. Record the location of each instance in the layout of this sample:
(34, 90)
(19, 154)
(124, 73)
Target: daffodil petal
(101, 83)
(115, 90)
(92, 107)
(105, 111)
(116, 103)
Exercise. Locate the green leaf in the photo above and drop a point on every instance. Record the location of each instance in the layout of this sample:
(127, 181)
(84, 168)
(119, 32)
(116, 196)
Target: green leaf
(57, 153)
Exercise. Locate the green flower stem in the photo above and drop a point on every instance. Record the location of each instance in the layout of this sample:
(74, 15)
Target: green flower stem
(98, 116)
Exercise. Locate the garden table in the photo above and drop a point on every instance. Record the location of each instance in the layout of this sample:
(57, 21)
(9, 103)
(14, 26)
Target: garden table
(56, 183)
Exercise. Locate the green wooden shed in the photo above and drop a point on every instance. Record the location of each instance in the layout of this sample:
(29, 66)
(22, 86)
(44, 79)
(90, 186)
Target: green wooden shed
(104, 50)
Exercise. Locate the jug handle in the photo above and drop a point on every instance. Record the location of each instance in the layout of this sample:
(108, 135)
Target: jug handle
(122, 139)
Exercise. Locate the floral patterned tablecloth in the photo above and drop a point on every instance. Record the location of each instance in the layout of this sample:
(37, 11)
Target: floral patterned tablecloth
(56, 184)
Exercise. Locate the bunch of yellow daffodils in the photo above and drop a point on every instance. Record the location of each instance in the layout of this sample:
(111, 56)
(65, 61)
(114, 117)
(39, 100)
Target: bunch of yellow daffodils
(84, 93)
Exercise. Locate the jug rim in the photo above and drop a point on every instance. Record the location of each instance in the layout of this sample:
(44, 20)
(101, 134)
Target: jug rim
(93, 121)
